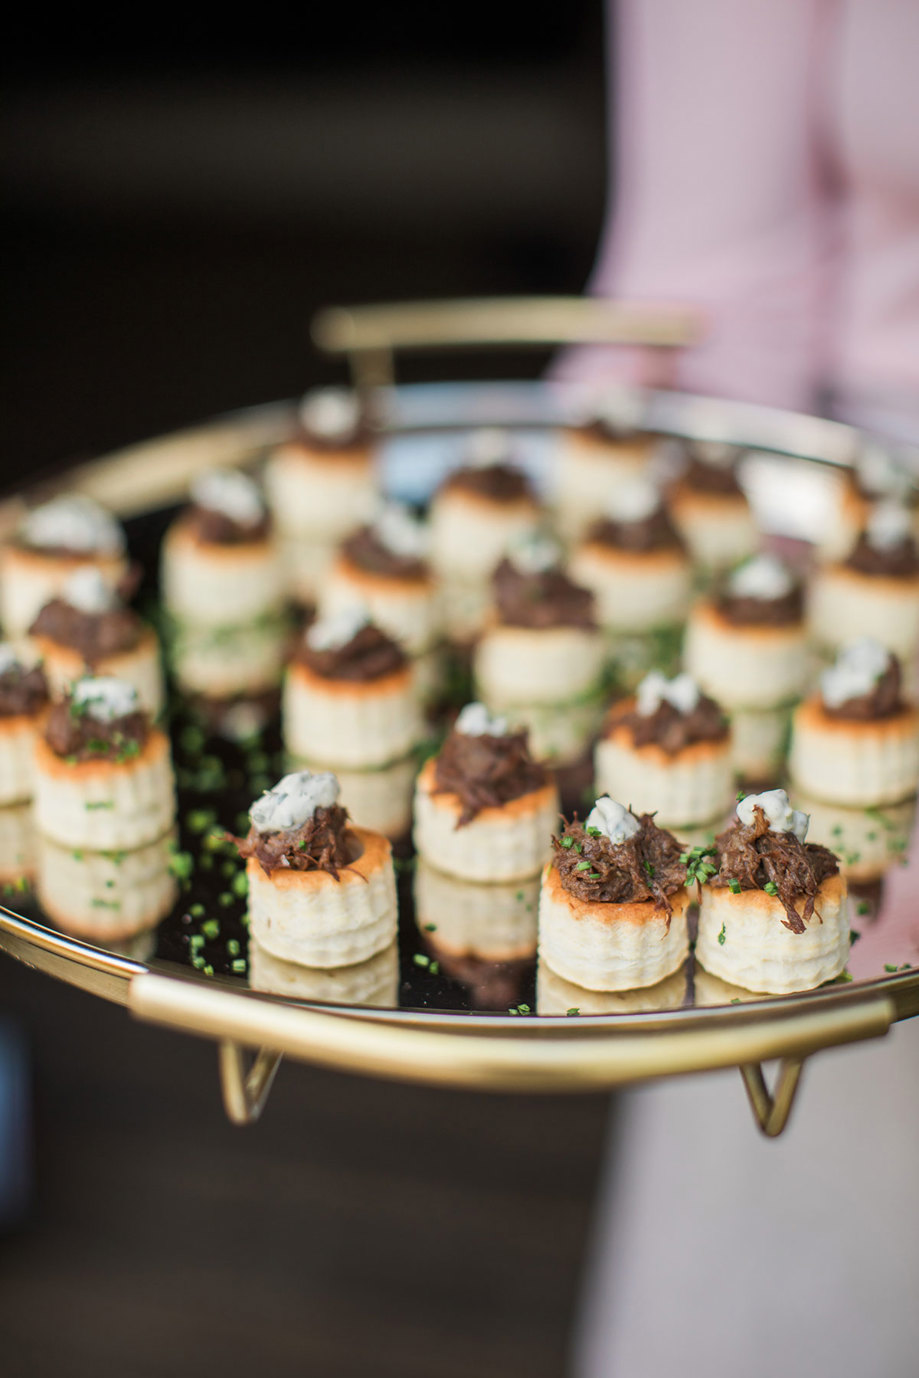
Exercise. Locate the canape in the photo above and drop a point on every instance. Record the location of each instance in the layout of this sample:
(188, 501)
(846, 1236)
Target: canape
(595, 456)
(875, 476)
(321, 485)
(875, 590)
(384, 567)
(542, 645)
(613, 904)
(710, 508)
(747, 645)
(220, 564)
(773, 916)
(56, 539)
(88, 629)
(321, 892)
(856, 741)
(484, 809)
(23, 701)
(349, 695)
(480, 510)
(634, 562)
(668, 751)
(103, 773)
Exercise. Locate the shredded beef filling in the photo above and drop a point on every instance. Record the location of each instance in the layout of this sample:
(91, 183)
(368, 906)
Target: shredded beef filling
(73, 735)
(94, 634)
(365, 550)
(656, 532)
(882, 701)
(753, 857)
(323, 843)
(899, 561)
(712, 478)
(670, 729)
(500, 482)
(22, 691)
(544, 599)
(644, 867)
(486, 772)
(370, 654)
(743, 611)
(216, 528)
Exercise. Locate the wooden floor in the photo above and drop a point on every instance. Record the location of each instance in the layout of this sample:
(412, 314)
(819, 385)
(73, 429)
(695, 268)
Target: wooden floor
(360, 1229)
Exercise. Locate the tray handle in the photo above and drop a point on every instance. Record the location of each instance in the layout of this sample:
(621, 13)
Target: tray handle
(550, 1056)
(370, 335)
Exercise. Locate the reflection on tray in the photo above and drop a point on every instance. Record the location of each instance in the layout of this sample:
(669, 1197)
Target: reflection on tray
(374, 982)
(495, 922)
(105, 896)
(555, 995)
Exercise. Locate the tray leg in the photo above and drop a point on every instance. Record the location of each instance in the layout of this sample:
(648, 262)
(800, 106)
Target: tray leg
(245, 1092)
(772, 1109)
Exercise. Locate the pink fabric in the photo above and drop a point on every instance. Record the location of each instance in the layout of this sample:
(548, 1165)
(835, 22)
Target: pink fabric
(767, 172)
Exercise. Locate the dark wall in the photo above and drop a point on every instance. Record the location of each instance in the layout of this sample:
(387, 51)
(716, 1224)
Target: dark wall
(171, 225)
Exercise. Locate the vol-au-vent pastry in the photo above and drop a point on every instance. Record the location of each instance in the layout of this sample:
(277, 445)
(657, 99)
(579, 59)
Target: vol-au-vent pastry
(604, 448)
(747, 645)
(220, 563)
(480, 511)
(321, 891)
(856, 741)
(875, 590)
(668, 751)
(875, 476)
(613, 904)
(103, 773)
(322, 485)
(484, 808)
(350, 697)
(773, 917)
(542, 643)
(69, 533)
(23, 701)
(87, 628)
(384, 567)
(634, 562)
(710, 508)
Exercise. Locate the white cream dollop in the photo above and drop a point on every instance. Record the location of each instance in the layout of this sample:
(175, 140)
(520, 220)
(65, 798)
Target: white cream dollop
(231, 493)
(337, 629)
(331, 413)
(889, 525)
(73, 522)
(401, 532)
(8, 657)
(681, 692)
(294, 800)
(633, 500)
(613, 820)
(475, 721)
(780, 816)
(763, 576)
(535, 553)
(105, 698)
(487, 447)
(857, 670)
(87, 591)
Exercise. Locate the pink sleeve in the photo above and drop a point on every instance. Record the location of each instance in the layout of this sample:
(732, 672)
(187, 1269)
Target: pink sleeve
(716, 193)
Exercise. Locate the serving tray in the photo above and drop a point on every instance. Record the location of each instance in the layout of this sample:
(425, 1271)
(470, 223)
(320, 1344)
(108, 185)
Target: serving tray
(420, 1014)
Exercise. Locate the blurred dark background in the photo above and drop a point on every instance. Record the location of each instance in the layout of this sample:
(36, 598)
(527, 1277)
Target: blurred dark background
(170, 224)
